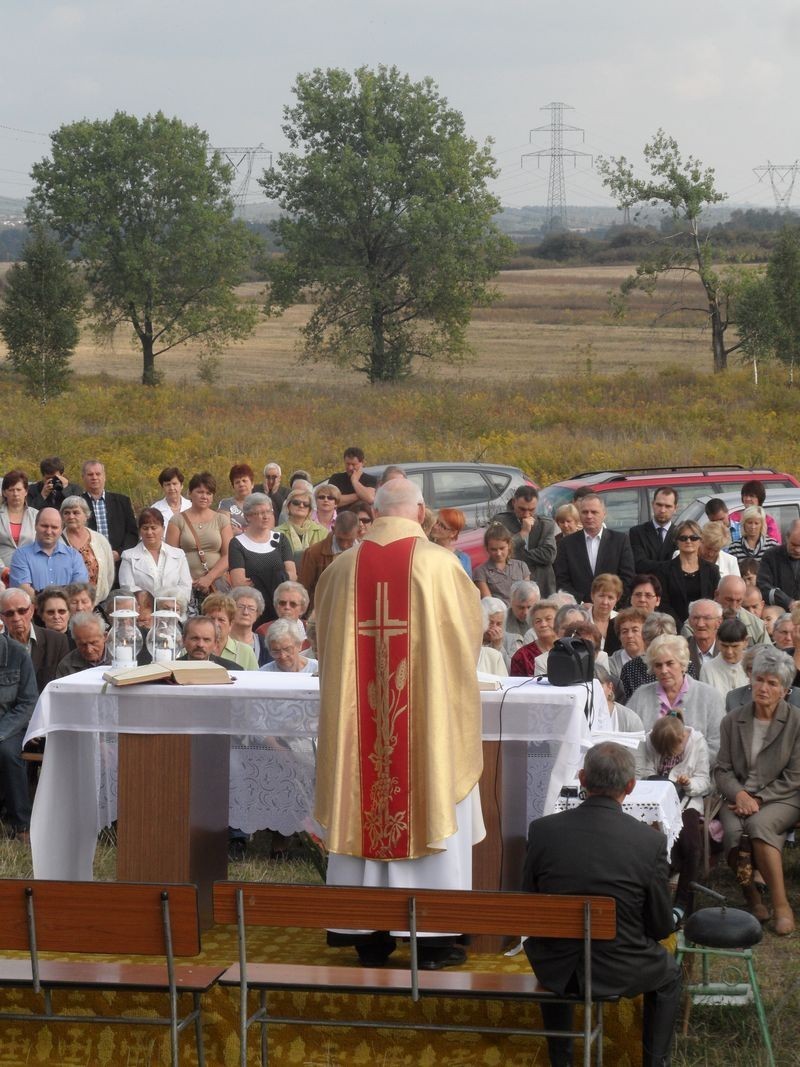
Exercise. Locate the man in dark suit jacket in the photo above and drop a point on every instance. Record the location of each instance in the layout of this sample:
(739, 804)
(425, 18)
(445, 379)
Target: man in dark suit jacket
(534, 537)
(597, 849)
(117, 521)
(779, 571)
(47, 647)
(652, 542)
(610, 552)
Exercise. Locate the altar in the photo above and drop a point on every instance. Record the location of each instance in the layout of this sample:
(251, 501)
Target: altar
(266, 724)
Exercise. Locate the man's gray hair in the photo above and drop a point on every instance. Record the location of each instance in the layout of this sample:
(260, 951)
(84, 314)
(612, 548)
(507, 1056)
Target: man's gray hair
(196, 620)
(773, 661)
(256, 500)
(607, 769)
(390, 472)
(346, 522)
(713, 605)
(87, 618)
(272, 465)
(399, 496)
(286, 628)
(291, 587)
(6, 595)
(656, 624)
(522, 589)
(562, 598)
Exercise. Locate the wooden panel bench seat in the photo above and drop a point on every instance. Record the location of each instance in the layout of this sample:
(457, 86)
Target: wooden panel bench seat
(418, 912)
(113, 918)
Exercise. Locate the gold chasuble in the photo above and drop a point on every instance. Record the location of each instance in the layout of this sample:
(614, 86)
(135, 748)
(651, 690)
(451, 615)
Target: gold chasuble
(399, 630)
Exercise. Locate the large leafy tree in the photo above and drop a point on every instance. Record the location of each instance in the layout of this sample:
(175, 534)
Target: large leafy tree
(386, 216)
(767, 306)
(152, 218)
(40, 315)
(682, 188)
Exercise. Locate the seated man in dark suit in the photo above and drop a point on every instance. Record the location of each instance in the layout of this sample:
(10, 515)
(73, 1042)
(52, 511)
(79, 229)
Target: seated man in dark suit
(591, 551)
(112, 513)
(46, 647)
(652, 542)
(597, 849)
(779, 571)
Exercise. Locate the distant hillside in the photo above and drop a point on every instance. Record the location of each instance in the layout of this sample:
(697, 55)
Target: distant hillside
(11, 210)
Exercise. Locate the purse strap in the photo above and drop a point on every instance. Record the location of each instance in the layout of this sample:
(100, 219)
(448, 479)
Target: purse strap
(193, 532)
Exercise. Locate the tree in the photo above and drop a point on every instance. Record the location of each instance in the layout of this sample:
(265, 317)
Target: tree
(767, 306)
(152, 217)
(39, 318)
(683, 188)
(388, 218)
(783, 279)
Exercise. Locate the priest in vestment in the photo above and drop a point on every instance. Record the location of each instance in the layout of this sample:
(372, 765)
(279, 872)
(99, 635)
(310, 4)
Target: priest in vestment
(399, 754)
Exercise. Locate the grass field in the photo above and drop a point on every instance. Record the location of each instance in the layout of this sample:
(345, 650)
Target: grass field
(546, 322)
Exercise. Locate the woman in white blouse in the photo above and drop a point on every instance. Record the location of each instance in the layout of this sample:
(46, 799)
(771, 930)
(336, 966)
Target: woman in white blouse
(154, 565)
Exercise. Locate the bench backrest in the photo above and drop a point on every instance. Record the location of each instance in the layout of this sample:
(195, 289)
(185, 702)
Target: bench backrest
(119, 918)
(444, 911)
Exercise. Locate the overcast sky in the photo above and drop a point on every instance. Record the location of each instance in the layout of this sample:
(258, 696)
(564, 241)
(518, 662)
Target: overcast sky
(721, 77)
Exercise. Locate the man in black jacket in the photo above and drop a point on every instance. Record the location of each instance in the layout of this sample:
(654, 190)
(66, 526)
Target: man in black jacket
(54, 487)
(17, 701)
(112, 513)
(779, 571)
(597, 849)
(534, 537)
(652, 542)
(591, 551)
(46, 647)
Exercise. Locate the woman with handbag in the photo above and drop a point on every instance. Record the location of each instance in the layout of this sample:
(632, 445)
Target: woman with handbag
(204, 535)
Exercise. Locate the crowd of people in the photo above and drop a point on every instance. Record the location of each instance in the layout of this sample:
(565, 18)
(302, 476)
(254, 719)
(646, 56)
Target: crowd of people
(695, 629)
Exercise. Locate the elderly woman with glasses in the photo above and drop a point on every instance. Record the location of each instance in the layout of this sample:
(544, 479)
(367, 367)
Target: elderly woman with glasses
(299, 528)
(93, 547)
(758, 774)
(261, 556)
(702, 706)
(686, 577)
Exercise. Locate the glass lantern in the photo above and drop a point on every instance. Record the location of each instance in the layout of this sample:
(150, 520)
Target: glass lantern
(164, 639)
(125, 638)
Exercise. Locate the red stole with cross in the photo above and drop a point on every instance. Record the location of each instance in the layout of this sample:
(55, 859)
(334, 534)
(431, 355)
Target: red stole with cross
(383, 672)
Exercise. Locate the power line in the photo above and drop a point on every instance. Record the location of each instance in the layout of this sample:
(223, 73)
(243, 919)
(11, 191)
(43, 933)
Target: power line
(241, 160)
(781, 178)
(556, 153)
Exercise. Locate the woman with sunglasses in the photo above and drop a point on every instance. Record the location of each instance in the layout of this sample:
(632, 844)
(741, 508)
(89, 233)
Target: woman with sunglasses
(365, 520)
(300, 529)
(686, 577)
(326, 501)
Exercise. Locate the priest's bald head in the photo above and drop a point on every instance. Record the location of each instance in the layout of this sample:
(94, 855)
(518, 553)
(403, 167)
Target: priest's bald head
(401, 498)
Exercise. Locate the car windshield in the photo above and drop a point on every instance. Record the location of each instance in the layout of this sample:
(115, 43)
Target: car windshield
(552, 498)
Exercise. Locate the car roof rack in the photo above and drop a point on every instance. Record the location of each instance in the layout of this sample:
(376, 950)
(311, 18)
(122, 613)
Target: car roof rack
(623, 471)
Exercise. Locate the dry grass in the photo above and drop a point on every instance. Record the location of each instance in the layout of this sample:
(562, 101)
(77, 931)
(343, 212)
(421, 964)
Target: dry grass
(547, 322)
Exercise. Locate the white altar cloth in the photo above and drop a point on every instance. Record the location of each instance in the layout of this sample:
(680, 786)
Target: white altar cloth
(650, 802)
(271, 718)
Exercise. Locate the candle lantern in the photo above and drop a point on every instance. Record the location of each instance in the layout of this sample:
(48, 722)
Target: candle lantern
(125, 638)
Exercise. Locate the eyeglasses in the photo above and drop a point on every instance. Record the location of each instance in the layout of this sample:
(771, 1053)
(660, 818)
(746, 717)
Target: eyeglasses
(299, 504)
(689, 537)
(11, 612)
(55, 611)
(324, 496)
(246, 607)
(289, 604)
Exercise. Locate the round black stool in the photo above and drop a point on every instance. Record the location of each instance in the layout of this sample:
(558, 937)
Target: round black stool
(729, 933)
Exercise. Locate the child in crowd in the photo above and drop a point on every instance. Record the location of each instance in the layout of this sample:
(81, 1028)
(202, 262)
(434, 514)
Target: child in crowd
(725, 670)
(496, 576)
(679, 753)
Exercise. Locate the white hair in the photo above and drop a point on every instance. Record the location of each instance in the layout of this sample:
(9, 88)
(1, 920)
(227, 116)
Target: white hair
(492, 605)
(400, 497)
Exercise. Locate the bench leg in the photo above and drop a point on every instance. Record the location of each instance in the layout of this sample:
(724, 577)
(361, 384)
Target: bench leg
(198, 1030)
(762, 1018)
(264, 1049)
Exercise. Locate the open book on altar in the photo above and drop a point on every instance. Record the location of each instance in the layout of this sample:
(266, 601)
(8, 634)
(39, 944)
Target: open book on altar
(180, 671)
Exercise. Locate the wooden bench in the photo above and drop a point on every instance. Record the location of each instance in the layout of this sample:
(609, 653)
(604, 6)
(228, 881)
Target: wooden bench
(416, 911)
(115, 918)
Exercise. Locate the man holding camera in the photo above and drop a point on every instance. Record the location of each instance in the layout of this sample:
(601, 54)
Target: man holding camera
(54, 486)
